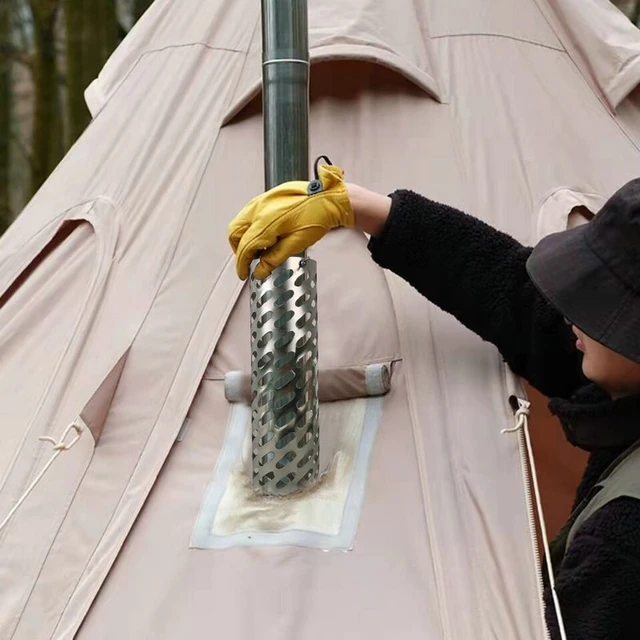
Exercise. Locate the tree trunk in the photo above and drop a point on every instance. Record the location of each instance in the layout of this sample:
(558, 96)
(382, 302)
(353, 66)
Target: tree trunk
(139, 7)
(109, 27)
(76, 41)
(5, 120)
(46, 123)
(635, 15)
(91, 37)
(101, 32)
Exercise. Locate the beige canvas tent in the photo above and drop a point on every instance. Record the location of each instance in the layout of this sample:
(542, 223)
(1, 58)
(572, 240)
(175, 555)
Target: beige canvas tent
(121, 318)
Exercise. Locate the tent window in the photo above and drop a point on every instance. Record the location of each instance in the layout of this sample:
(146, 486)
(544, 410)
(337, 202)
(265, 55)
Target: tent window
(579, 215)
(565, 209)
(63, 233)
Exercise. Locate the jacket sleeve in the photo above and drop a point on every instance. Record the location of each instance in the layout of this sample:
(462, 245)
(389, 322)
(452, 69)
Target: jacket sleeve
(597, 583)
(478, 274)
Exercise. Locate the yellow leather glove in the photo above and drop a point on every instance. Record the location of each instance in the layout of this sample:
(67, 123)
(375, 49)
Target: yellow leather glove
(288, 219)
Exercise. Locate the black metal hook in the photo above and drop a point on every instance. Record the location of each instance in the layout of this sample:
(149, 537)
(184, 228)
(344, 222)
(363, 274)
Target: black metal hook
(315, 186)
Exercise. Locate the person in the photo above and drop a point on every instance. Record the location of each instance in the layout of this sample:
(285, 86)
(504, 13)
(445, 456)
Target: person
(565, 316)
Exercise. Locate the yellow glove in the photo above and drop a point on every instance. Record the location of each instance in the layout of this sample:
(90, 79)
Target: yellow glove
(288, 219)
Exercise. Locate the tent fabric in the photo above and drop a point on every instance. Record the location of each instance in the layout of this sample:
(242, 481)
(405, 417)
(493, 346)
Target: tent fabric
(604, 43)
(118, 294)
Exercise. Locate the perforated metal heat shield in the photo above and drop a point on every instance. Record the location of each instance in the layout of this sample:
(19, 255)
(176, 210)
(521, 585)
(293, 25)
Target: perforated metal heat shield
(284, 385)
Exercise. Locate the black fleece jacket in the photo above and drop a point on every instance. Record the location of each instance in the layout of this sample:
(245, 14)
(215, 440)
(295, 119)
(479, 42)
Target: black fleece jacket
(478, 274)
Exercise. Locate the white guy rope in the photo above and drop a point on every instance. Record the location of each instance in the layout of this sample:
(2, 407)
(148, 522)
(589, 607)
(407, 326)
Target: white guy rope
(522, 425)
(58, 447)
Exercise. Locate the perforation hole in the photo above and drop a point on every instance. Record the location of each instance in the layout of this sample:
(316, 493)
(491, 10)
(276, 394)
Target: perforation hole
(304, 379)
(282, 277)
(266, 459)
(303, 320)
(285, 481)
(263, 319)
(266, 397)
(285, 440)
(267, 477)
(285, 460)
(266, 419)
(303, 299)
(307, 477)
(302, 341)
(284, 319)
(285, 340)
(286, 378)
(284, 399)
(264, 341)
(264, 298)
(265, 379)
(267, 438)
(286, 420)
(304, 461)
(283, 298)
(265, 361)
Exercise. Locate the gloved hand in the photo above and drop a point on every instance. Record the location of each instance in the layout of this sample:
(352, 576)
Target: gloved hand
(288, 219)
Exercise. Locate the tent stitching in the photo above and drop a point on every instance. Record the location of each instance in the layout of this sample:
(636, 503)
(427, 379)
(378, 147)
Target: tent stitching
(143, 55)
(503, 36)
(434, 545)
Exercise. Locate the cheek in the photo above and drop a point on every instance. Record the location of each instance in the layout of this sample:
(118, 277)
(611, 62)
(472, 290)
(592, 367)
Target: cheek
(591, 368)
(598, 365)
(611, 370)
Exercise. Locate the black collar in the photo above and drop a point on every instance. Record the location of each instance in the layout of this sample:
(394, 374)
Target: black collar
(593, 421)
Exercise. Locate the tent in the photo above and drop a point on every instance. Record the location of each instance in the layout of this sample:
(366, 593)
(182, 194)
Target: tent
(121, 318)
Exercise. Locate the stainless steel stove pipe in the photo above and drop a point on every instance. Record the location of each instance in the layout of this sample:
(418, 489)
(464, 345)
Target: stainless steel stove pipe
(284, 340)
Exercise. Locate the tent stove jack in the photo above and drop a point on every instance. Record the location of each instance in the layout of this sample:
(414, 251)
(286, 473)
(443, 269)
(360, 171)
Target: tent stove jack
(284, 340)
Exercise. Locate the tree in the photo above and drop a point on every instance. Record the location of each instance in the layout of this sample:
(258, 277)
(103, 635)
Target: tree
(91, 35)
(6, 95)
(50, 50)
(76, 42)
(45, 139)
(139, 7)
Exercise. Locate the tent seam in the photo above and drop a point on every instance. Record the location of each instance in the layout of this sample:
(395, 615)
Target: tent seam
(143, 55)
(427, 501)
(500, 36)
(458, 483)
(197, 43)
(422, 474)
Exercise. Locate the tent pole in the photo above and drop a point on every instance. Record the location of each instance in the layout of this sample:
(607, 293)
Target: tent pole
(284, 342)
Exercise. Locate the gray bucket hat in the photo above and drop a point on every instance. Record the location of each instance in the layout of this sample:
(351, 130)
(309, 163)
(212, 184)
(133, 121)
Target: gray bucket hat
(591, 274)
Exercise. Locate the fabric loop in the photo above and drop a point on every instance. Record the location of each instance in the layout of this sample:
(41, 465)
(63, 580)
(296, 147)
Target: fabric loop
(61, 445)
(58, 447)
